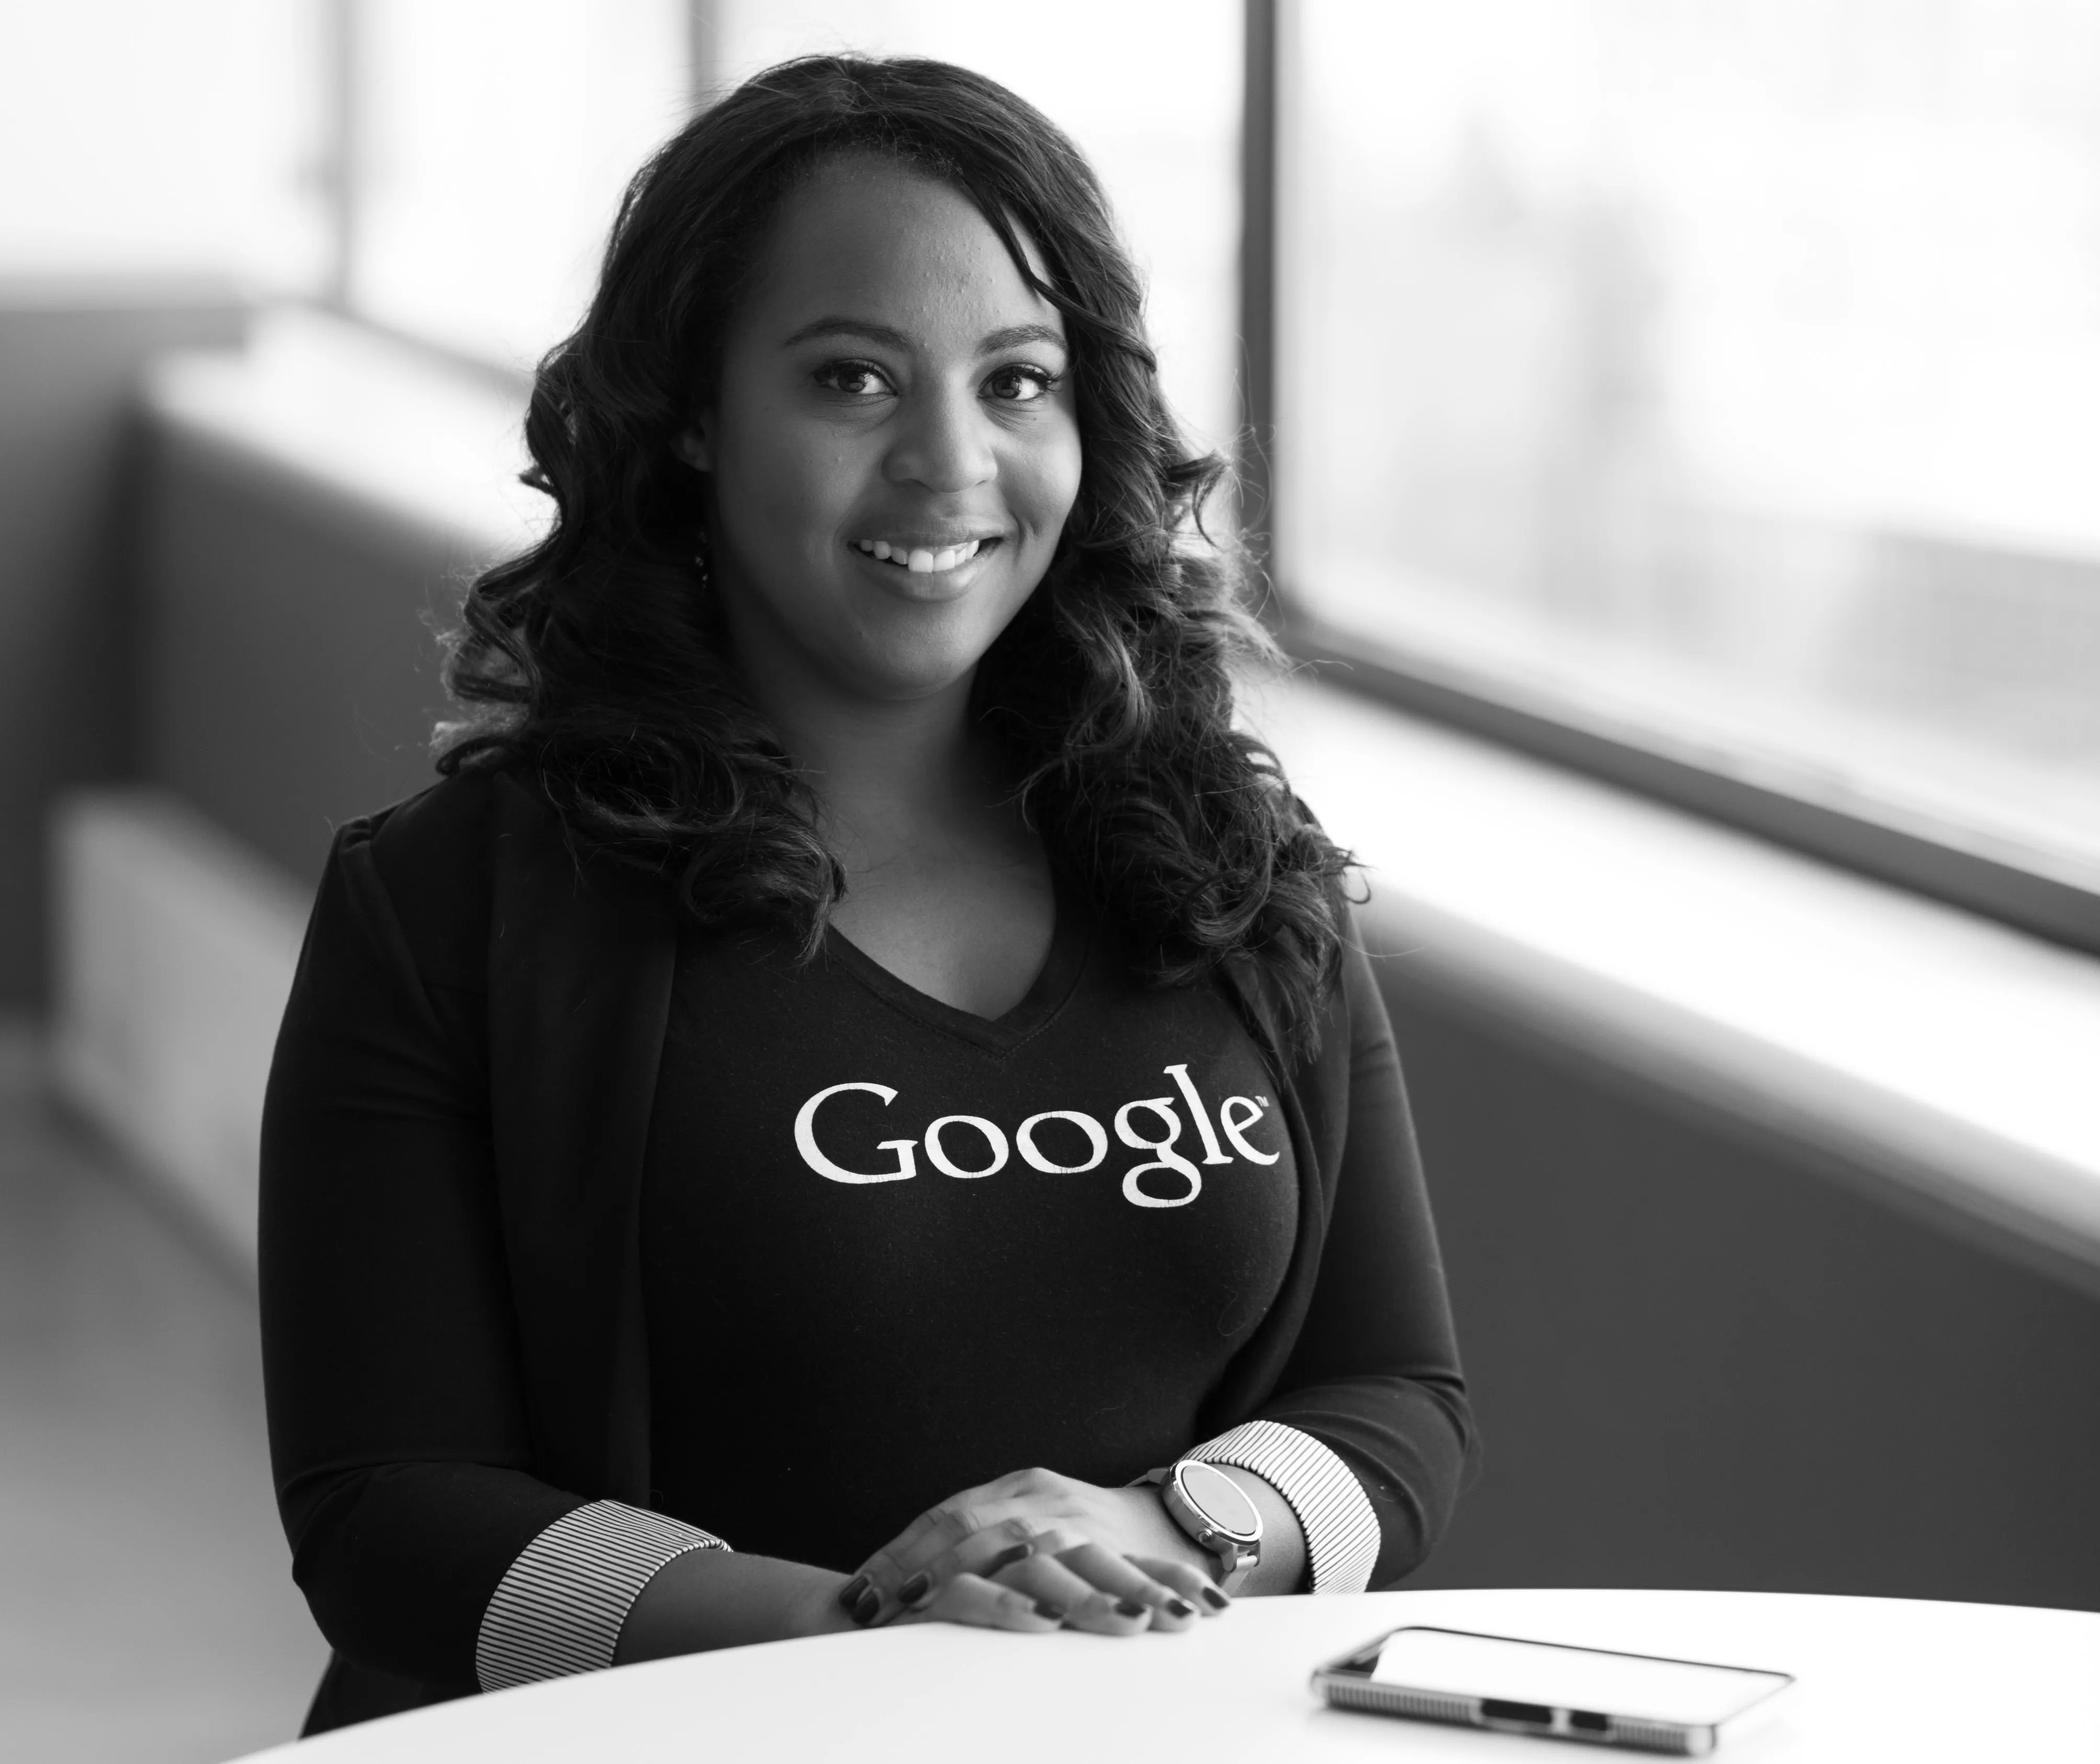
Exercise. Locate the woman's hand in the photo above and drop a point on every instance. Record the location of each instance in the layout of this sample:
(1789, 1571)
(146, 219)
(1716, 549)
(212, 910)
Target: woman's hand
(1035, 1550)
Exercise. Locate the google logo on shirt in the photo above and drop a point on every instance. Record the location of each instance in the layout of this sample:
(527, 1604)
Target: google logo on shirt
(1236, 1114)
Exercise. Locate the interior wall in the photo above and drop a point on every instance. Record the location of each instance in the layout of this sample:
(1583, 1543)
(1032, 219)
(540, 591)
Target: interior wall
(70, 356)
(1701, 1360)
(293, 680)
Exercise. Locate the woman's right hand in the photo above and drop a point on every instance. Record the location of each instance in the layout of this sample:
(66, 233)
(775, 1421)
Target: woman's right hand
(1035, 1550)
(1061, 1583)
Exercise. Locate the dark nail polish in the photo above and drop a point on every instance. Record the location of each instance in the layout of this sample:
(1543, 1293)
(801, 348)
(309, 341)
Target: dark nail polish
(1129, 1607)
(1044, 1608)
(914, 1589)
(1179, 1608)
(870, 1604)
(850, 1594)
(1218, 1600)
(1008, 1557)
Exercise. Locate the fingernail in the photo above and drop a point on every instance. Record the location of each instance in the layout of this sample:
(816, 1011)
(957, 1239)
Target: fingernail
(1218, 1600)
(850, 1594)
(1129, 1608)
(1179, 1608)
(1008, 1557)
(914, 1589)
(869, 1603)
(1044, 1608)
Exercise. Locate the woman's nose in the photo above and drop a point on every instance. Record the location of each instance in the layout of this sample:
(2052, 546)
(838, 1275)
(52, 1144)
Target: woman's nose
(944, 442)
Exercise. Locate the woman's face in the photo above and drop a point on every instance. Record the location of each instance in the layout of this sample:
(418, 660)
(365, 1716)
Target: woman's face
(893, 448)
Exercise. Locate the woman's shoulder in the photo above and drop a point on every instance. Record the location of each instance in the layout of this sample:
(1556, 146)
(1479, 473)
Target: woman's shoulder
(433, 853)
(442, 858)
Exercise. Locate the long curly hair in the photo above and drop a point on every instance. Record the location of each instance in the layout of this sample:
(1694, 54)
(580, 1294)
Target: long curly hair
(596, 660)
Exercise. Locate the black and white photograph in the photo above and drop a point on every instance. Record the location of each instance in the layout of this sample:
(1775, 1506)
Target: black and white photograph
(925, 880)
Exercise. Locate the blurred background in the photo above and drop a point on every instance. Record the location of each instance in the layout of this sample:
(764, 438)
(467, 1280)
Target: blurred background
(1713, 384)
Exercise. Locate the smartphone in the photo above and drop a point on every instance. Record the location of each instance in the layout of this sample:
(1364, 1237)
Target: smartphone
(1546, 1688)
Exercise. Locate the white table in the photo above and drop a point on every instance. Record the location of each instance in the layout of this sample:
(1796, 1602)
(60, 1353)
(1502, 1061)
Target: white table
(1879, 1679)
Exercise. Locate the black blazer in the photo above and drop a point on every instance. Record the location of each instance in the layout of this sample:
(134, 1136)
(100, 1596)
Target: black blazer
(454, 1346)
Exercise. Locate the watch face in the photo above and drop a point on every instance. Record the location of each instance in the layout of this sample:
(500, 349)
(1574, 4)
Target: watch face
(1218, 1499)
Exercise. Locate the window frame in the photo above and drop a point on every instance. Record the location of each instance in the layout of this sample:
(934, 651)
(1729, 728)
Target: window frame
(2051, 907)
(340, 173)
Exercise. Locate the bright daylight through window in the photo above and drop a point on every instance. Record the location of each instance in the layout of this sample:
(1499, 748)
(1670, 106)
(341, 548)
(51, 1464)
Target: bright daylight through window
(1721, 379)
(1724, 377)
(490, 139)
(489, 142)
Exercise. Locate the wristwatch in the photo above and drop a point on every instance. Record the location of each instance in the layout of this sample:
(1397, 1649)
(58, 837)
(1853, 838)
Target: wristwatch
(1215, 1510)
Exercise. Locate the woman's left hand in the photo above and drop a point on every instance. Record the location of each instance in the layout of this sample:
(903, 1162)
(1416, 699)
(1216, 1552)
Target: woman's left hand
(1108, 1558)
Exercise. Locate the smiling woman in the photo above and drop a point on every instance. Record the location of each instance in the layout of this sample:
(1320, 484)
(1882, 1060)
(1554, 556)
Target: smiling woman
(866, 706)
(943, 450)
(875, 521)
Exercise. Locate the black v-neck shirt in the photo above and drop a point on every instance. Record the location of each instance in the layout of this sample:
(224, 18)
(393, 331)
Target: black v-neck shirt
(891, 1250)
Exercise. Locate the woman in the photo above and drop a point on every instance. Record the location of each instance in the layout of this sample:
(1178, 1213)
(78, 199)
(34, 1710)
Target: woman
(855, 1023)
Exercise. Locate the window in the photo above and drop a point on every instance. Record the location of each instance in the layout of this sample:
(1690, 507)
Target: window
(488, 144)
(490, 140)
(1720, 380)
(145, 142)
(1704, 392)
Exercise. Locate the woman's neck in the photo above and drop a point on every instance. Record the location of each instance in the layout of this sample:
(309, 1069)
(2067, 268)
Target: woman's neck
(947, 886)
(890, 777)
(893, 778)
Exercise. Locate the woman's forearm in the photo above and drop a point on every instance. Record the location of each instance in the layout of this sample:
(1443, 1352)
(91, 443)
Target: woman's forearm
(707, 1598)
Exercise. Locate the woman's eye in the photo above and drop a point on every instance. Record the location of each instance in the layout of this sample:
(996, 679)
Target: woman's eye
(855, 379)
(1021, 385)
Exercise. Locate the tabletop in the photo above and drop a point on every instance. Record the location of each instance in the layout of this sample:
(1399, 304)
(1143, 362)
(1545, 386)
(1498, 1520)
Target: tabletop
(1882, 1679)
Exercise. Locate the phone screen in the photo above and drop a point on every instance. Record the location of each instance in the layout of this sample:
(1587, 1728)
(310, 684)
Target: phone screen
(1498, 1668)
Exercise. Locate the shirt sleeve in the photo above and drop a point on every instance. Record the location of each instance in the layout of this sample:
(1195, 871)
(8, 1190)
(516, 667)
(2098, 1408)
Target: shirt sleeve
(560, 1606)
(1341, 1527)
(425, 1543)
(1373, 1376)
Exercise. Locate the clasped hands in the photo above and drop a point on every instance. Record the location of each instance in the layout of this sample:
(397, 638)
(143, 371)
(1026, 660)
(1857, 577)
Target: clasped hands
(1036, 1551)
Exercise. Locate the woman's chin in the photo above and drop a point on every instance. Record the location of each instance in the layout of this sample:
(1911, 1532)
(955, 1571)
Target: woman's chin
(917, 642)
(911, 671)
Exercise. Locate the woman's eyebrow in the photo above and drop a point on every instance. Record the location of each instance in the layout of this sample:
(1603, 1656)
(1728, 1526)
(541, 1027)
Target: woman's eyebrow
(1012, 336)
(861, 327)
(1015, 335)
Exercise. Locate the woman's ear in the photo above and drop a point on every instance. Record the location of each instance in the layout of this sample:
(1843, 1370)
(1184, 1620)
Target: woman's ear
(691, 446)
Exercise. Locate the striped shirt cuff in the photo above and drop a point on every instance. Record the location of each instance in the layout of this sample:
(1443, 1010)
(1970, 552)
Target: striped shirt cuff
(560, 1606)
(1341, 1529)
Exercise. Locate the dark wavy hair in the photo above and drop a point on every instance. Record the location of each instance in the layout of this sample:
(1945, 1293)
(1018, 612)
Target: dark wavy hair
(595, 661)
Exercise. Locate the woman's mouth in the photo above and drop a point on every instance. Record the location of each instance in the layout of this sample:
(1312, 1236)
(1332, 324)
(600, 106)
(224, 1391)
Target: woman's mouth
(923, 560)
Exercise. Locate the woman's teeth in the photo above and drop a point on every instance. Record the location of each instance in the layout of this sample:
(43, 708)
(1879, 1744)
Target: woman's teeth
(920, 560)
